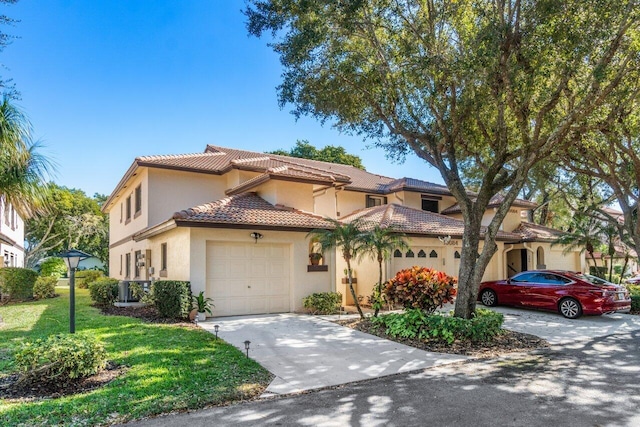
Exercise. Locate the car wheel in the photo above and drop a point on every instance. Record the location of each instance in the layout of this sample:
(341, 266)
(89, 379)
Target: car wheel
(489, 298)
(570, 308)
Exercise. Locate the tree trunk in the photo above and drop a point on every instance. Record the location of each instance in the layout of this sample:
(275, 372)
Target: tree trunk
(379, 286)
(353, 292)
(472, 269)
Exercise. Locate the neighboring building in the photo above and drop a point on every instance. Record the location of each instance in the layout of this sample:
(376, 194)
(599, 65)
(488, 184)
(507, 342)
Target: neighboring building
(11, 235)
(234, 223)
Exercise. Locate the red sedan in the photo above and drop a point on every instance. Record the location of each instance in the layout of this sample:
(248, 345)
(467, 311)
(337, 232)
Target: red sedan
(572, 294)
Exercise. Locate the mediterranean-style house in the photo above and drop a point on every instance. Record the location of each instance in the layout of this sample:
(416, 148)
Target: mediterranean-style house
(11, 235)
(234, 223)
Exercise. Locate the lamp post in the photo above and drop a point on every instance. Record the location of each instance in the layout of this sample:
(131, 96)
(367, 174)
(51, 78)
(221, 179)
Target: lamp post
(72, 258)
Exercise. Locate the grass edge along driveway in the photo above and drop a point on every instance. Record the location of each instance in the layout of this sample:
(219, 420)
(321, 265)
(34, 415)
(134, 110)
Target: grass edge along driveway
(170, 367)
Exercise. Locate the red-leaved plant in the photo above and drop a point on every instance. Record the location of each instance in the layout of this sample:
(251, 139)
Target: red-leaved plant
(420, 287)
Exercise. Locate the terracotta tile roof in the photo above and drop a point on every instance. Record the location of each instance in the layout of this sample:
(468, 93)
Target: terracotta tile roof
(534, 233)
(416, 185)
(202, 162)
(249, 210)
(416, 222)
(495, 201)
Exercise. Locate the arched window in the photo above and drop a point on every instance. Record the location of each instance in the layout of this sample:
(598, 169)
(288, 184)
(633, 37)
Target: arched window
(397, 253)
(433, 254)
(409, 254)
(422, 254)
(456, 255)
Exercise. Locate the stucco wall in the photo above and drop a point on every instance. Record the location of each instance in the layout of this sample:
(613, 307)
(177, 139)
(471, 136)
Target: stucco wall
(291, 194)
(324, 200)
(172, 191)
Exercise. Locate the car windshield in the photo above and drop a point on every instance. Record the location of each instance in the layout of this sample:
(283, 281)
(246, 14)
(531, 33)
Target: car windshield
(592, 279)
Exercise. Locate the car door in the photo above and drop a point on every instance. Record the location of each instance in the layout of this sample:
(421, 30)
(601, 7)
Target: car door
(545, 291)
(516, 289)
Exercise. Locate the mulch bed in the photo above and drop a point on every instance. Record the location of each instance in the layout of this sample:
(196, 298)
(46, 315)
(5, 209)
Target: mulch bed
(14, 392)
(507, 342)
(146, 313)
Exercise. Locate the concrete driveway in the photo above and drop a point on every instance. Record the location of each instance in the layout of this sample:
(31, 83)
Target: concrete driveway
(559, 330)
(307, 352)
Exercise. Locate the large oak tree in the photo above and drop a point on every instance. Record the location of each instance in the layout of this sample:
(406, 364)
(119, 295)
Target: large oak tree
(495, 86)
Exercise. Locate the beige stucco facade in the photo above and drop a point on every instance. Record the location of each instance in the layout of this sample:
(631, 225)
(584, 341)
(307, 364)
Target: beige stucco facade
(225, 261)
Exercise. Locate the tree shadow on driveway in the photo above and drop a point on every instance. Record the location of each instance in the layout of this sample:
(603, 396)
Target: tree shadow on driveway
(592, 383)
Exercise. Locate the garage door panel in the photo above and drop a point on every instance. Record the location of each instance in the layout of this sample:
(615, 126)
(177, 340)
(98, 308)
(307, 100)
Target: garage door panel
(248, 278)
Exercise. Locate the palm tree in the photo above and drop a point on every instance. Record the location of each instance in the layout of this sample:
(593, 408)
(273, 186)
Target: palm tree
(583, 235)
(22, 168)
(379, 244)
(349, 239)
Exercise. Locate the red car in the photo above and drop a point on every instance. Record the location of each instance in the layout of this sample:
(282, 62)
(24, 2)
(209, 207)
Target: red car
(572, 294)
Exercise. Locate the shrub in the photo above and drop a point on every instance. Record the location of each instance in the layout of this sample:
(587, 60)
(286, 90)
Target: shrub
(635, 297)
(60, 358)
(323, 302)
(54, 267)
(84, 277)
(416, 324)
(420, 287)
(104, 291)
(45, 287)
(17, 282)
(172, 298)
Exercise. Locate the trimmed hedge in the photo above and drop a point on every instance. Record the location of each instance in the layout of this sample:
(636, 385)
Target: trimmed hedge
(415, 323)
(84, 277)
(60, 358)
(17, 282)
(172, 298)
(635, 297)
(45, 287)
(104, 291)
(323, 302)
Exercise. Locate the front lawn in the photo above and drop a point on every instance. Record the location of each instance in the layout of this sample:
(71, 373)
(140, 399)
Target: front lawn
(168, 367)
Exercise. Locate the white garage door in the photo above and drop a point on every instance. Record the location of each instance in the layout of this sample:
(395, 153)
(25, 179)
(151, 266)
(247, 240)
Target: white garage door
(420, 256)
(248, 278)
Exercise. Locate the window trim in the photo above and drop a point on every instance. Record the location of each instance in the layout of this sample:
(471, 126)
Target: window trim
(163, 259)
(128, 210)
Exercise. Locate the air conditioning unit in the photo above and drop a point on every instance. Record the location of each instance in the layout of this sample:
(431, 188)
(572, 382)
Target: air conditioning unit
(140, 256)
(140, 263)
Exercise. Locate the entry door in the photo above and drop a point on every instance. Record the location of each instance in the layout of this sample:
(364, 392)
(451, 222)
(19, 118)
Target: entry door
(248, 278)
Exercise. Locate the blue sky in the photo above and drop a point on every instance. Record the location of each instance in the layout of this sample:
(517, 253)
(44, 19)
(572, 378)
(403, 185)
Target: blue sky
(105, 81)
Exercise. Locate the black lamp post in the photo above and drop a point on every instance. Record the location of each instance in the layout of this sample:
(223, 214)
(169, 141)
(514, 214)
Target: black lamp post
(72, 258)
(246, 347)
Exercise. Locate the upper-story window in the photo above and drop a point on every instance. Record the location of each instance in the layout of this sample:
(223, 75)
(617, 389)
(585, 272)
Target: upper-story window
(376, 201)
(138, 200)
(128, 209)
(430, 204)
(121, 211)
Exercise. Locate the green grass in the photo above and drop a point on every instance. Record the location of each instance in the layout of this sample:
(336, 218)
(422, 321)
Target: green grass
(169, 367)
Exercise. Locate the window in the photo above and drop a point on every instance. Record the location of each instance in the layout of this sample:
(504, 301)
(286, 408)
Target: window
(456, 255)
(163, 257)
(121, 211)
(7, 221)
(397, 253)
(376, 201)
(433, 254)
(138, 259)
(409, 254)
(121, 264)
(14, 218)
(138, 199)
(127, 265)
(422, 254)
(430, 204)
(128, 209)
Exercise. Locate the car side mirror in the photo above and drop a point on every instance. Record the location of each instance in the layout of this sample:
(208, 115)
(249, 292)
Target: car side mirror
(508, 281)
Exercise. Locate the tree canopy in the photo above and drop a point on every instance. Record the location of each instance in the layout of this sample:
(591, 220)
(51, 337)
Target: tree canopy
(72, 220)
(496, 86)
(332, 154)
